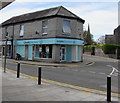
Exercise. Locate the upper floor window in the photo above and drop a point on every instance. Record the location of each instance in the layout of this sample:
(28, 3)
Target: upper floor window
(6, 32)
(66, 26)
(21, 29)
(44, 27)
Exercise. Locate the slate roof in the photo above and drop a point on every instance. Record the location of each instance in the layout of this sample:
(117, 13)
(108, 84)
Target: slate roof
(4, 3)
(40, 15)
(118, 28)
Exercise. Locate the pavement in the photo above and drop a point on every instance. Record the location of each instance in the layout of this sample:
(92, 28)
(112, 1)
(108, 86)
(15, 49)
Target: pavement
(79, 64)
(27, 89)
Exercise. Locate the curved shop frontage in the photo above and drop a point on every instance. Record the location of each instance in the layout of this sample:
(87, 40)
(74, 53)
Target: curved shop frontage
(50, 50)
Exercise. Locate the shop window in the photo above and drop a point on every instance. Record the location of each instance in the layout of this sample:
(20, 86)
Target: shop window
(21, 30)
(9, 50)
(43, 51)
(8, 47)
(44, 27)
(66, 26)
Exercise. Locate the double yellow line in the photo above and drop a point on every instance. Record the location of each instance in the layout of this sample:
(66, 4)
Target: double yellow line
(84, 90)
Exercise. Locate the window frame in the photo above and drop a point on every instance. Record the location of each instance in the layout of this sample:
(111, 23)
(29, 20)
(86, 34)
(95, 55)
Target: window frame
(44, 27)
(64, 31)
(21, 30)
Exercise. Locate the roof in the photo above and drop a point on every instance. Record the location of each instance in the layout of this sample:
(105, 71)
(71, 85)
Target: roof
(118, 28)
(56, 11)
(3, 3)
(109, 36)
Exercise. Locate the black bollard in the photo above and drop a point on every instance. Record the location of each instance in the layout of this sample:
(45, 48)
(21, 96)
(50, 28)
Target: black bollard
(93, 51)
(108, 88)
(39, 75)
(18, 70)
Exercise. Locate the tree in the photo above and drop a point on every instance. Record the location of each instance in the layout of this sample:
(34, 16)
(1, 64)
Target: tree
(88, 37)
(101, 40)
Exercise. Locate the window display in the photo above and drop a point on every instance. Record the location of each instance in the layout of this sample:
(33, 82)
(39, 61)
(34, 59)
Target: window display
(43, 51)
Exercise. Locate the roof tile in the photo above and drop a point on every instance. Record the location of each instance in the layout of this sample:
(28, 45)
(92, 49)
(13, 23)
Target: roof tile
(36, 15)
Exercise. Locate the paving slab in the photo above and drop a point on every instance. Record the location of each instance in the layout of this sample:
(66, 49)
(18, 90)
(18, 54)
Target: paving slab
(25, 89)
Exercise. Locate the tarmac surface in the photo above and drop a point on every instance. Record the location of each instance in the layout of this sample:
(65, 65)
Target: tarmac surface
(27, 89)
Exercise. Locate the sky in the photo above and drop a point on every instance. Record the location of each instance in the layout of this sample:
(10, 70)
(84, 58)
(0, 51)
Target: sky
(102, 16)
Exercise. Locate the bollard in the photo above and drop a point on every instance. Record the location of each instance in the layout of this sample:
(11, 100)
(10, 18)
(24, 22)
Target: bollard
(39, 75)
(108, 88)
(93, 51)
(18, 70)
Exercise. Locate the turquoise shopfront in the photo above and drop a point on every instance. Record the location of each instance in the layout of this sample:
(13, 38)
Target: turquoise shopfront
(53, 49)
(69, 53)
(50, 41)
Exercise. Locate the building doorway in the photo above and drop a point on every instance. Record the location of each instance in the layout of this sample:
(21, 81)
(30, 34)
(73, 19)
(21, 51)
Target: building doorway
(62, 53)
(30, 52)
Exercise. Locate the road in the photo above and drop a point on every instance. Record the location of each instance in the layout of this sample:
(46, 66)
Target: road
(90, 76)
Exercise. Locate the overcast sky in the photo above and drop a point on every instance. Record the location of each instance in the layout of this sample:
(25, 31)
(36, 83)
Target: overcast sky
(102, 16)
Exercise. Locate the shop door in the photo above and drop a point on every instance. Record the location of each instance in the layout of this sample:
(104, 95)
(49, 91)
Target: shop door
(69, 53)
(62, 54)
(30, 51)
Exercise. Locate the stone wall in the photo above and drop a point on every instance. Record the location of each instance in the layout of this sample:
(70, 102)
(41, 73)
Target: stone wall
(99, 52)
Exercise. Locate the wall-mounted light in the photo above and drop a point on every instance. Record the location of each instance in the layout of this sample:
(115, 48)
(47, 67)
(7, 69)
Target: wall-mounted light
(36, 32)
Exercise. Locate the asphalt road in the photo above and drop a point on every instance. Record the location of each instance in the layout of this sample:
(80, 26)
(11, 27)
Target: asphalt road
(91, 76)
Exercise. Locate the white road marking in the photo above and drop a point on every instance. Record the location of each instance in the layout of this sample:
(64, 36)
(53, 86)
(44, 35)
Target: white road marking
(115, 74)
(89, 64)
(113, 71)
(101, 73)
(92, 72)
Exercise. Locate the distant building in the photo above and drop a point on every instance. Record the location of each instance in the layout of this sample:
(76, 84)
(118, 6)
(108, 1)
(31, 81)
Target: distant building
(113, 38)
(109, 39)
(117, 35)
(53, 35)
(3, 4)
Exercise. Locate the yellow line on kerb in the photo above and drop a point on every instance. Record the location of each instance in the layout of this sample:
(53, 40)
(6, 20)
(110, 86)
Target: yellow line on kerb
(85, 90)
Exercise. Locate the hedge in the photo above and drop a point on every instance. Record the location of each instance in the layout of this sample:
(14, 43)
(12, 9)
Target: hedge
(110, 48)
(88, 48)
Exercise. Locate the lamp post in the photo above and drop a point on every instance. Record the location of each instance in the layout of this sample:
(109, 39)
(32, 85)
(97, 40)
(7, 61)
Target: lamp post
(6, 43)
(5, 55)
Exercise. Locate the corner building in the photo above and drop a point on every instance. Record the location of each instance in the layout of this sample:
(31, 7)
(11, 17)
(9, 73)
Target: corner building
(51, 35)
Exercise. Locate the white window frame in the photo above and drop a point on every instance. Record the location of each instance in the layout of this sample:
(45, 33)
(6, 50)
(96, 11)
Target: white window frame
(21, 29)
(45, 27)
(61, 54)
(65, 29)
